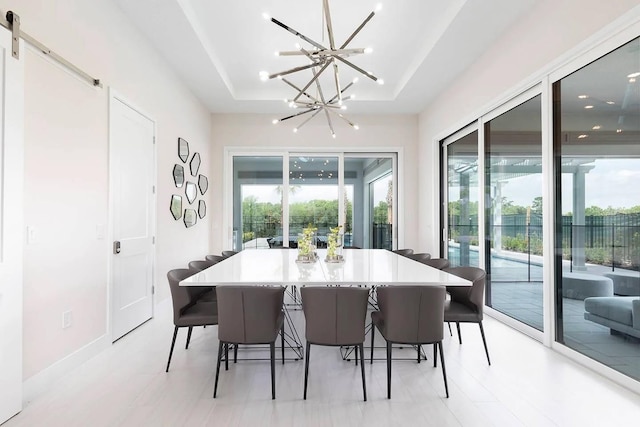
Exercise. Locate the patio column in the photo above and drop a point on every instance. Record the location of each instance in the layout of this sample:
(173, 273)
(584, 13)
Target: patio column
(497, 218)
(578, 242)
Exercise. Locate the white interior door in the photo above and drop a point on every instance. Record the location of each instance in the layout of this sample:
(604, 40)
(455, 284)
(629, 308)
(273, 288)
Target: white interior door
(11, 187)
(132, 138)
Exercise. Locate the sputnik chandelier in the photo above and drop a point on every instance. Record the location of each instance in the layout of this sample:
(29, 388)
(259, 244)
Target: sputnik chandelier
(310, 103)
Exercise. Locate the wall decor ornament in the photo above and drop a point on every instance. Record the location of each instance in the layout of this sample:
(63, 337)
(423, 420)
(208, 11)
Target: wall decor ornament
(178, 175)
(191, 189)
(194, 165)
(176, 206)
(191, 192)
(203, 184)
(190, 217)
(183, 150)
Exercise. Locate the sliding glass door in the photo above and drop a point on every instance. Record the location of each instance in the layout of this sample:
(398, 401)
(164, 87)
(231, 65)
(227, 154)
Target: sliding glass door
(460, 243)
(513, 214)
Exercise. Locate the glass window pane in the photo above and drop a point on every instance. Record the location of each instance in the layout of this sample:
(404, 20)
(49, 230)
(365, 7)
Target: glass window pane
(257, 201)
(313, 196)
(597, 166)
(513, 153)
(462, 194)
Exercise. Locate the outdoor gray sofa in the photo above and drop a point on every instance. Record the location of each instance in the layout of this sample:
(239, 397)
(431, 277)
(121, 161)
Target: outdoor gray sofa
(620, 314)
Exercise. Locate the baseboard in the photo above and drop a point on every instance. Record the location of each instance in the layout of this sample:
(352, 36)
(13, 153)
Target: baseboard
(43, 380)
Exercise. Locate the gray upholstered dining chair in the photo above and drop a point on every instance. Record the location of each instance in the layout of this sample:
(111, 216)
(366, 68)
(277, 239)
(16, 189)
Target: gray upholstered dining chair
(403, 252)
(229, 253)
(439, 263)
(335, 316)
(420, 257)
(187, 313)
(215, 258)
(410, 315)
(249, 315)
(467, 303)
(204, 293)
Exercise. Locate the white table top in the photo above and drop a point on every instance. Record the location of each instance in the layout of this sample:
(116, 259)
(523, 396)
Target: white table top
(367, 267)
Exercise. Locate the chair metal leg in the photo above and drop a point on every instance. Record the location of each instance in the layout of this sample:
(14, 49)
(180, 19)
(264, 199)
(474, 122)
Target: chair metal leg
(449, 324)
(435, 355)
(188, 337)
(282, 341)
(486, 350)
(235, 353)
(364, 384)
(272, 348)
(459, 334)
(226, 356)
(444, 371)
(373, 334)
(355, 348)
(306, 369)
(215, 387)
(173, 343)
(388, 370)
(419, 346)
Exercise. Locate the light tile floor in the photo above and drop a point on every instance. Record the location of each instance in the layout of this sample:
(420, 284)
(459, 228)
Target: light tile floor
(527, 384)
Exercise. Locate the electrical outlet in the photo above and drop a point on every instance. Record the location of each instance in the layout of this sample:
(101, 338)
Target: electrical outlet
(66, 319)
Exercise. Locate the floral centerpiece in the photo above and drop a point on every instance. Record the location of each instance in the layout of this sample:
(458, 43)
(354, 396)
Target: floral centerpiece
(334, 245)
(306, 244)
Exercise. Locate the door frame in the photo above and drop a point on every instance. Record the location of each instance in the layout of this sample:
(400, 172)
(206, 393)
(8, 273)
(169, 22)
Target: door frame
(114, 95)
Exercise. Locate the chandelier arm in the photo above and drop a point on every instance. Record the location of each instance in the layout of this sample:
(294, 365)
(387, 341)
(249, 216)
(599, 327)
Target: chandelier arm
(343, 118)
(332, 100)
(293, 70)
(327, 15)
(336, 77)
(295, 33)
(333, 52)
(315, 77)
(309, 118)
(355, 67)
(299, 90)
(367, 19)
(297, 114)
(326, 113)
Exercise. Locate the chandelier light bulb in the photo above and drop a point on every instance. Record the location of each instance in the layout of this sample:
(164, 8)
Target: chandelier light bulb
(295, 130)
(264, 76)
(275, 121)
(333, 135)
(352, 96)
(355, 80)
(266, 16)
(368, 50)
(277, 53)
(344, 107)
(378, 7)
(380, 82)
(356, 127)
(298, 46)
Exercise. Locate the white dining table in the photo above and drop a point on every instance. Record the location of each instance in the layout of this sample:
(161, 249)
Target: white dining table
(362, 267)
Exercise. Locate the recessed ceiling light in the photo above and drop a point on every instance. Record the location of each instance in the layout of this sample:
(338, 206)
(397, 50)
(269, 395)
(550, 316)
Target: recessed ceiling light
(618, 130)
(596, 127)
(588, 107)
(632, 75)
(582, 136)
(583, 96)
(610, 102)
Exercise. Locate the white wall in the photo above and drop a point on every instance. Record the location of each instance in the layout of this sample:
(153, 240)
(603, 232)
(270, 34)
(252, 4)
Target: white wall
(536, 43)
(67, 169)
(376, 132)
